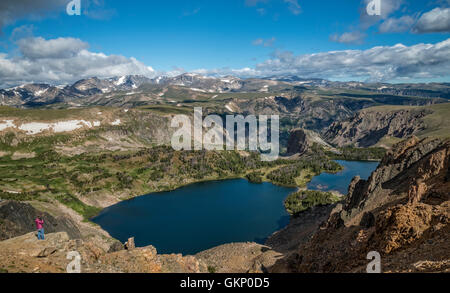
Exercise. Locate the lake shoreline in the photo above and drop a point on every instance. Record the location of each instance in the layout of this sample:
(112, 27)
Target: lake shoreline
(218, 179)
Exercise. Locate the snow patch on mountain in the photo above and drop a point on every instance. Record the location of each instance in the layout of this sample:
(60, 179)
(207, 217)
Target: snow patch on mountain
(6, 124)
(197, 90)
(40, 92)
(121, 80)
(229, 107)
(57, 127)
(116, 122)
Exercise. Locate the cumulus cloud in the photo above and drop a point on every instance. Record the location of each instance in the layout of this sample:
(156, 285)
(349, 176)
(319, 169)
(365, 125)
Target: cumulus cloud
(397, 25)
(66, 60)
(355, 37)
(379, 63)
(63, 60)
(60, 48)
(383, 63)
(387, 8)
(434, 21)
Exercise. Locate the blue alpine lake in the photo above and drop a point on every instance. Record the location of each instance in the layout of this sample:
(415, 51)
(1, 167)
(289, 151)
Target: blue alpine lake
(341, 180)
(199, 216)
(203, 215)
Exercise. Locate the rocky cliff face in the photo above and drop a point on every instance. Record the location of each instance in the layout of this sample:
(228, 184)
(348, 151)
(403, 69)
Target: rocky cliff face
(314, 114)
(402, 211)
(367, 128)
(301, 140)
(297, 143)
(17, 218)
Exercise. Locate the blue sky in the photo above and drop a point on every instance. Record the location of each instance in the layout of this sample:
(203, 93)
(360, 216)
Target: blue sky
(210, 34)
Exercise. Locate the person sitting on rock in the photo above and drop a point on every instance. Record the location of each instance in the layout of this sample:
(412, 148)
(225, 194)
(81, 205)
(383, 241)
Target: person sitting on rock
(40, 227)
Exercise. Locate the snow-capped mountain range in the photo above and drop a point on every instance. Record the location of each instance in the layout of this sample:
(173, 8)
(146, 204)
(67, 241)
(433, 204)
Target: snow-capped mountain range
(31, 95)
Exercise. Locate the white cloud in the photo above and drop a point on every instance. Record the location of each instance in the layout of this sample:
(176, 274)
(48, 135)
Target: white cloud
(434, 21)
(355, 37)
(397, 25)
(388, 7)
(39, 48)
(63, 60)
(383, 63)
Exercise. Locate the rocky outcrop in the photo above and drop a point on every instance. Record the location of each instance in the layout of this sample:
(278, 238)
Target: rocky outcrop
(297, 143)
(27, 254)
(397, 171)
(402, 211)
(368, 127)
(17, 218)
(309, 113)
(248, 257)
(299, 230)
(301, 140)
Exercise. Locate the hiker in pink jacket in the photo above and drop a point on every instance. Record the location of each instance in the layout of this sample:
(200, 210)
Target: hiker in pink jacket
(40, 227)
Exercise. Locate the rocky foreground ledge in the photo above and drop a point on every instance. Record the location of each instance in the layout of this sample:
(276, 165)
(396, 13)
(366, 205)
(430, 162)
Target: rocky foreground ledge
(26, 254)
